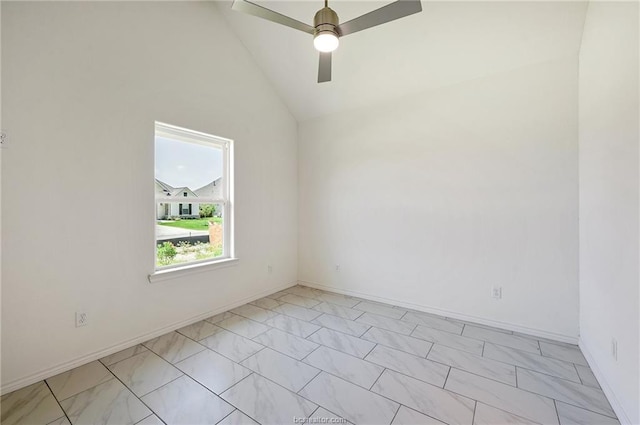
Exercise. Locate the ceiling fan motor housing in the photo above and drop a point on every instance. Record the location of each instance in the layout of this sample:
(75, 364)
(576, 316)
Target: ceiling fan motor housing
(326, 21)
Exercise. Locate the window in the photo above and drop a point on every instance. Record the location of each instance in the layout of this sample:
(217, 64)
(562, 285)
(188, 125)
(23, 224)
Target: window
(193, 188)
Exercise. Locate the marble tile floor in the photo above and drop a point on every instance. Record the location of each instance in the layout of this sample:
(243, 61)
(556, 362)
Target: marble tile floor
(306, 354)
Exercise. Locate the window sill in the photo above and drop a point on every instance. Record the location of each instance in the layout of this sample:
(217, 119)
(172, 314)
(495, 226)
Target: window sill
(167, 274)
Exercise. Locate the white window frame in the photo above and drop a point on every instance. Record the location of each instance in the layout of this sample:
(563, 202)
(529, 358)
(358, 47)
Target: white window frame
(227, 258)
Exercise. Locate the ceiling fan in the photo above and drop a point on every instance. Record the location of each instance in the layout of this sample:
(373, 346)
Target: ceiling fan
(326, 29)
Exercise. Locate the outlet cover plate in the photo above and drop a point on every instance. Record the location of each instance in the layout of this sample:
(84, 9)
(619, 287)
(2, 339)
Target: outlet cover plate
(82, 318)
(496, 292)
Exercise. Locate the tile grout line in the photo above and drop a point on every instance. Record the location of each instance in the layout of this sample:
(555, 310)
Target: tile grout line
(405, 373)
(444, 384)
(226, 389)
(310, 353)
(555, 405)
(234, 406)
(315, 410)
(465, 396)
(196, 340)
(146, 417)
(130, 357)
(233, 360)
(339, 377)
(281, 386)
(260, 323)
(340, 318)
(297, 306)
(530, 368)
(140, 397)
(468, 371)
(495, 343)
(310, 380)
(359, 315)
(239, 410)
(245, 358)
(290, 330)
(188, 357)
(369, 328)
(334, 375)
(426, 357)
(279, 352)
(384, 396)
(126, 358)
(372, 348)
(231, 413)
(527, 391)
(252, 372)
(475, 406)
(493, 379)
(340, 332)
(384, 369)
(273, 382)
(161, 386)
(73, 395)
(236, 333)
(578, 372)
(312, 333)
(397, 410)
(557, 377)
(64, 412)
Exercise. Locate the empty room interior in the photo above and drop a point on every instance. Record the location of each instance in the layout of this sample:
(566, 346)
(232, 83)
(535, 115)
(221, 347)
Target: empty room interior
(309, 212)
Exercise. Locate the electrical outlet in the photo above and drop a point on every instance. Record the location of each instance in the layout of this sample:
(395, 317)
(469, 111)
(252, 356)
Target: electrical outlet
(82, 318)
(496, 292)
(614, 349)
(269, 268)
(337, 267)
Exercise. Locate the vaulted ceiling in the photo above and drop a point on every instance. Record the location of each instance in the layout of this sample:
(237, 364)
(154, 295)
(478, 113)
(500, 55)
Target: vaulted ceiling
(447, 43)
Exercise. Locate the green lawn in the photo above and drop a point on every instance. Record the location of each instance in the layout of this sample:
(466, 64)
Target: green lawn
(192, 224)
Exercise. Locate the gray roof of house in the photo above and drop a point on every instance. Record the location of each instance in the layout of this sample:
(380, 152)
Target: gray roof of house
(164, 189)
(211, 190)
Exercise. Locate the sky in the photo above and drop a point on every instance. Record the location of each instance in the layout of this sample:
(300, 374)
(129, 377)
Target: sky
(182, 164)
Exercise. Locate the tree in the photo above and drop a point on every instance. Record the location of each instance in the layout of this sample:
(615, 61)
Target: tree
(207, 210)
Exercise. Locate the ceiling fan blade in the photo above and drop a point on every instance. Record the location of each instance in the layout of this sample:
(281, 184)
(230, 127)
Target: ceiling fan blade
(324, 67)
(391, 12)
(268, 14)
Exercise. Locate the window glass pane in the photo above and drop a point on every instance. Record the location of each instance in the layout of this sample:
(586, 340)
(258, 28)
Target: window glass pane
(185, 169)
(191, 190)
(180, 240)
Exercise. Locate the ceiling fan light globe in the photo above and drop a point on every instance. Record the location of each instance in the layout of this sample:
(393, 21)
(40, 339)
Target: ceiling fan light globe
(326, 42)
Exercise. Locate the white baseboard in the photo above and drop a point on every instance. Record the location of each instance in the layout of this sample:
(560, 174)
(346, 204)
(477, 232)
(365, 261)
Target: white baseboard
(623, 418)
(452, 314)
(64, 367)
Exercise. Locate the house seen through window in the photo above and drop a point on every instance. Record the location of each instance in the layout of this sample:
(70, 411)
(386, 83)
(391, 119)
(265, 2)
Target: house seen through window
(192, 196)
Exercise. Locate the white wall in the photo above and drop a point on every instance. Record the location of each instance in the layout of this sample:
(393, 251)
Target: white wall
(83, 83)
(609, 214)
(1, 127)
(432, 199)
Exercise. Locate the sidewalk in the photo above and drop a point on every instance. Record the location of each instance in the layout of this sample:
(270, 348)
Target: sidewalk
(167, 232)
